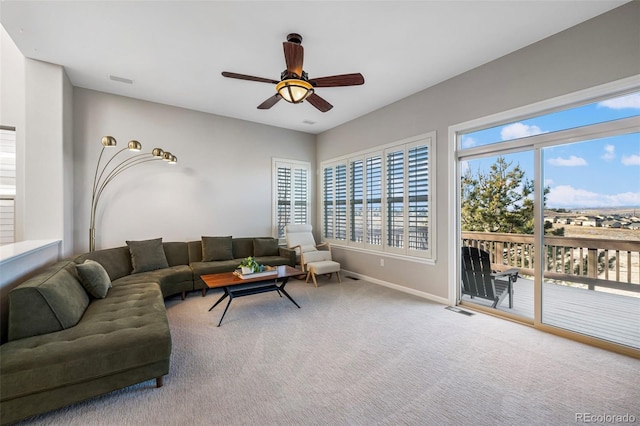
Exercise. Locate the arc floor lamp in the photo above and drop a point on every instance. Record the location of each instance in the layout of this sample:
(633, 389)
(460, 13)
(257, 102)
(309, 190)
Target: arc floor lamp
(103, 176)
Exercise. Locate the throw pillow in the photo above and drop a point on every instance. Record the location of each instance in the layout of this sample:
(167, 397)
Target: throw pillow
(216, 248)
(94, 278)
(147, 255)
(265, 247)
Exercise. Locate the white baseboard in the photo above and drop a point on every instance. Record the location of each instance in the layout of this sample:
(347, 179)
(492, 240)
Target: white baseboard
(404, 289)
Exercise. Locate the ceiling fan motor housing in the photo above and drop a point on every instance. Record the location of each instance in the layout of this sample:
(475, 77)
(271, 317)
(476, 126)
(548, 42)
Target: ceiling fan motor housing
(294, 38)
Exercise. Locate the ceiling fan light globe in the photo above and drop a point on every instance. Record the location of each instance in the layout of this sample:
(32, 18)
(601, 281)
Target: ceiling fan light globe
(293, 90)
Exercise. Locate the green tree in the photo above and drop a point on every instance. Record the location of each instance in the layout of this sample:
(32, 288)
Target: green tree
(498, 200)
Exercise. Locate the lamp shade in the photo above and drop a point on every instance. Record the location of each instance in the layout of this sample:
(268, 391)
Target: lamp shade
(134, 145)
(109, 141)
(294, 90)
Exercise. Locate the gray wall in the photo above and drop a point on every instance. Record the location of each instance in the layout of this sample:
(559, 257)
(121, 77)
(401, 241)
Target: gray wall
(604, 49)
(220, 186)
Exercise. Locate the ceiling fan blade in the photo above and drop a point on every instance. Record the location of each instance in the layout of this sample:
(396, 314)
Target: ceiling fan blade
(293, 56)
(270, 102)
(338, 80)
(319, 103)
(248, 77)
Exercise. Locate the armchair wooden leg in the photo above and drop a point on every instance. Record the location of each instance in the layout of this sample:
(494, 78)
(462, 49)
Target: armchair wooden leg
(308, 276)
(314, 280)
(339, 279)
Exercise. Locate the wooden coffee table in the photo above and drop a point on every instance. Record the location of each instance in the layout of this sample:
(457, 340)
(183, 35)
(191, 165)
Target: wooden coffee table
(235, 286)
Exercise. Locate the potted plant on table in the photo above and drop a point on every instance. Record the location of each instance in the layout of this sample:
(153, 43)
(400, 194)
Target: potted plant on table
(250, 266)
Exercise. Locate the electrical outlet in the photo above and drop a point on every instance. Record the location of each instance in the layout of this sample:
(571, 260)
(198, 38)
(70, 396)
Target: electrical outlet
(381, 262)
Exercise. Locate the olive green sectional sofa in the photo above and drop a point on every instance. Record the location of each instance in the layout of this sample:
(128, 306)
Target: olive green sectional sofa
(96, 323)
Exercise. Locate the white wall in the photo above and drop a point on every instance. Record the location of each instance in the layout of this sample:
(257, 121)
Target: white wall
(595, 52)
(12, 112)
(37, 101)
(220, 186)
(44, 185)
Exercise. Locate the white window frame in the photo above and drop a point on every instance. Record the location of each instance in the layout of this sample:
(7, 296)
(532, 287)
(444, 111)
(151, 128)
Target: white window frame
(404, 252)
(277, 163)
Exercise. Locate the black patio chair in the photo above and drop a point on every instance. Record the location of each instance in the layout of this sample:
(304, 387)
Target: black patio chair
(478, 280)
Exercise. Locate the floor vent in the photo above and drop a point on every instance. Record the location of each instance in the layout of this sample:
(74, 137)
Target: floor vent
(460, 311)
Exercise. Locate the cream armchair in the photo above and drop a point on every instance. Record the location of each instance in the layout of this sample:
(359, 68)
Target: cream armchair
(315, 259)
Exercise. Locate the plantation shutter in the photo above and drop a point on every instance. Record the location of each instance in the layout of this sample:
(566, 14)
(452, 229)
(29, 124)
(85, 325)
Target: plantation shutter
(356, 201)
(292, 195)
(374, 200)
(341, 202)
(418, 188)
(395, 199)
(327, 228)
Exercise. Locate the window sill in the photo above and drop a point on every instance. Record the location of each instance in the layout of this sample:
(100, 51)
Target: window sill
(415, 259)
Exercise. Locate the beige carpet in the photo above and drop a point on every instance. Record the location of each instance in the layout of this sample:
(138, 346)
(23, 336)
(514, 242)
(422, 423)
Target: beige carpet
(361, 354)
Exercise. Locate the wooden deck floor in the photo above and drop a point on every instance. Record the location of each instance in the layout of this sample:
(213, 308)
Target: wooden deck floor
(607, 316)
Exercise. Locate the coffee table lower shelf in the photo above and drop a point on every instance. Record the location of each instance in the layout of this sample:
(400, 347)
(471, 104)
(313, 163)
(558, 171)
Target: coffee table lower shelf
(234, 286)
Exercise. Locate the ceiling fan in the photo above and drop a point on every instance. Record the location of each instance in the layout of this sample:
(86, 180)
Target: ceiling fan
(295, 85)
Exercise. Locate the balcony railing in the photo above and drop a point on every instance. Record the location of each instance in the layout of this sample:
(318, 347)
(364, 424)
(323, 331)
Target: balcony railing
(593, 262)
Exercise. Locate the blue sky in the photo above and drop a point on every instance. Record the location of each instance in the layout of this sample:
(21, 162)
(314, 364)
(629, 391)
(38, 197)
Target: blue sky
(598, 173)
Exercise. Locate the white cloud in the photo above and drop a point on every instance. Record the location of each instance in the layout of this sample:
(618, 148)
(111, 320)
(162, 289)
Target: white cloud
(519, 130)
(569, 197)
(631, 160)
(609, 152)
(628, 101)
(572, 161)
(468, 142)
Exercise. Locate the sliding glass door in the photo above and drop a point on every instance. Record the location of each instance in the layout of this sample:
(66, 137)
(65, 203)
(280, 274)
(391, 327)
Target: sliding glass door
(557, 198)
(497, 218)
(591, 277)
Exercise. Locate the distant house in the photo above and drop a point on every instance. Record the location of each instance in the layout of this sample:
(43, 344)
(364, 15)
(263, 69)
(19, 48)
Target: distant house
(592, 221)
(611, 224)
(635, 226)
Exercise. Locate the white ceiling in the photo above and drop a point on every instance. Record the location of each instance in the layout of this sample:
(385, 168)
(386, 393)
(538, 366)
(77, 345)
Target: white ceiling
(174, 51)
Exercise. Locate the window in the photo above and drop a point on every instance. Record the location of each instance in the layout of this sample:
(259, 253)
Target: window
(7, 184)
(291, 194)
(379, 199)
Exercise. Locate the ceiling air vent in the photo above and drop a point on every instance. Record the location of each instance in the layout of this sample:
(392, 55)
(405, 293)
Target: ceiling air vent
(120, 79)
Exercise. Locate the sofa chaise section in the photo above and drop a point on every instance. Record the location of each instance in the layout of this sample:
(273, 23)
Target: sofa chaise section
(119, 341)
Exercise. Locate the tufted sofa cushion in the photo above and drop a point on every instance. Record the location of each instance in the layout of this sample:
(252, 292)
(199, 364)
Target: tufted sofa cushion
(126, 330)
(50, 301)
(172, 280)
